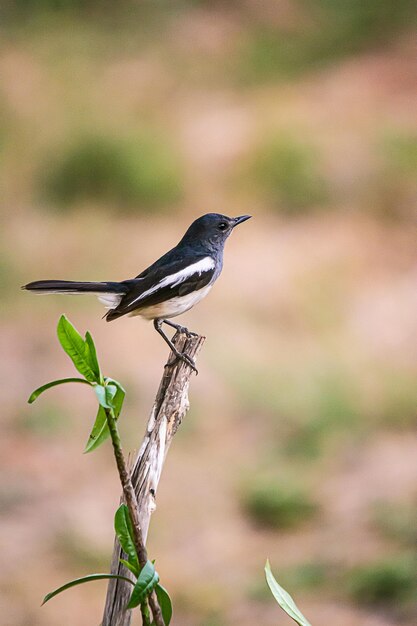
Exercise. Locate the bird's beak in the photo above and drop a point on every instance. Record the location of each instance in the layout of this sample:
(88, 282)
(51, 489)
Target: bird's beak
(239, 220)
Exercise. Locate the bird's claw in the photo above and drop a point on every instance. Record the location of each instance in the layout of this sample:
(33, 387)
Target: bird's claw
(185, 358)
(190, 362)
(185, 331)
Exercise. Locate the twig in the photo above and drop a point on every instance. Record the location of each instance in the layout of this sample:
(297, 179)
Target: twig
(171, 404)
(146, 617)
(128, 491)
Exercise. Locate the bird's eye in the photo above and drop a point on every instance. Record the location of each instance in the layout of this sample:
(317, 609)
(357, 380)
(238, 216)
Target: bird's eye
(222, 226)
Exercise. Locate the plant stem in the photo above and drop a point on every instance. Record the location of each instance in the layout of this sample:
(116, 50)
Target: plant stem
(132, 505)
(146, 616)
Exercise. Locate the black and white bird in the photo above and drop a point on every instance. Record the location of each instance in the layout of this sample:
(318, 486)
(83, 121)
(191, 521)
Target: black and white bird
(168, 287)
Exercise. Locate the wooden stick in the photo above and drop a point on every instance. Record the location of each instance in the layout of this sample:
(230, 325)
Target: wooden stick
(171, 404)
(129, 496)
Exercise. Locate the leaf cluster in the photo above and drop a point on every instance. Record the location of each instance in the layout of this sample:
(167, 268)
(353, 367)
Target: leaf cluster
(146, 578)
(109, 392)
(110, 396)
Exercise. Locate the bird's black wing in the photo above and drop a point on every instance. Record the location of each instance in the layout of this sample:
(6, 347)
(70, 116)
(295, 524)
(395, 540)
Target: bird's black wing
(162, 281)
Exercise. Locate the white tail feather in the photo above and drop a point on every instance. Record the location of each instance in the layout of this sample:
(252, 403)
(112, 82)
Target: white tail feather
(110, 300)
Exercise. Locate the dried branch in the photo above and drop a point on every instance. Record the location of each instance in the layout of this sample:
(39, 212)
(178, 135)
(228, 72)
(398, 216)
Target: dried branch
(171, 404)
(129, 497)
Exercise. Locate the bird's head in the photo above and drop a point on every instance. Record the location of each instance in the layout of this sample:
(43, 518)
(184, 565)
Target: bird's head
(213, 228)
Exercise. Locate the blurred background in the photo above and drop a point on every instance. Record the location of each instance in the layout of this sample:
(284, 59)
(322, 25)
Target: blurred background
(119, 125)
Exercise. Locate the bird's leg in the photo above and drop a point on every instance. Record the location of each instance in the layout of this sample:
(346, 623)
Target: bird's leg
(180, 355)
(180, 329)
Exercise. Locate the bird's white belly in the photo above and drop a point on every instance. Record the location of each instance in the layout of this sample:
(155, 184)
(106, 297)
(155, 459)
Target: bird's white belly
(173, 307)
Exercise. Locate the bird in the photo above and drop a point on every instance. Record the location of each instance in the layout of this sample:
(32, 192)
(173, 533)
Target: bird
(172, 285)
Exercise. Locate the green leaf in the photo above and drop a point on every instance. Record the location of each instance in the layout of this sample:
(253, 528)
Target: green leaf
(100, 392)
(108, 380)
(148, 579)
(283, 598)
(80, 581)
(105, 395)
(165, 603)
(130, 567)
(124, 531)
(75, 346)
(35, 394)
(100, 430)
(118, 398)
(91, 355)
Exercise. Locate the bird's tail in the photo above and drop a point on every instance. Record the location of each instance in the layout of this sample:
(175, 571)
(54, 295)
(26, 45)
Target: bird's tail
(108, 292)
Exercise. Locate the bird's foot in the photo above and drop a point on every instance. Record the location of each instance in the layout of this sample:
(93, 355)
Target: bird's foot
(185, 331)
(178, 355)
(185, 358)
(181, 329)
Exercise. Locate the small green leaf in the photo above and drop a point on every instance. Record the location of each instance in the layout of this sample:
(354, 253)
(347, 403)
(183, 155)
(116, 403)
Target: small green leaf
(283, 598)
(119, 396)
(100, 392)
(111, 391)
(35, 394)
(80, 581)
(91, 355)
(148, 579)
(165, 603)
(75, 346)
(100, 431)
(130, 567)
(124, 531)
(105, 395)
(108, 380)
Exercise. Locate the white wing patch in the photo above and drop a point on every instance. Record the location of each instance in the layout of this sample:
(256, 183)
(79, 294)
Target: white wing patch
(204, 265)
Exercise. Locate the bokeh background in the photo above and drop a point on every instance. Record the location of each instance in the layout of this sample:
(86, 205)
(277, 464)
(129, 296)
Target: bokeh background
(122, 122)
